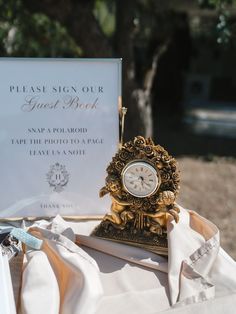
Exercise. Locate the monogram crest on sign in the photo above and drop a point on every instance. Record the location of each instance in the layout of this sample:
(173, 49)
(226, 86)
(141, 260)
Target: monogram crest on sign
(57, 177)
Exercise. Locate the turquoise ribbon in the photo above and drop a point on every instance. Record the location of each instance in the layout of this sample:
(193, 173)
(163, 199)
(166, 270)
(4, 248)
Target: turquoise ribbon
(26, 238)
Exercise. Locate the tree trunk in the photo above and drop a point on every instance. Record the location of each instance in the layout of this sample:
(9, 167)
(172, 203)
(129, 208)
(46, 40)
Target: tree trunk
(137, 120)
(78, 18)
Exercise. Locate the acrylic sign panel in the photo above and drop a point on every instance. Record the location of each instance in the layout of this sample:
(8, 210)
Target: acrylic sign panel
(58, 131)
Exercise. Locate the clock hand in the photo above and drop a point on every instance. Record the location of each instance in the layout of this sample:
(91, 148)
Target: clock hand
(148, 185)
(137, 180)
(134, 178)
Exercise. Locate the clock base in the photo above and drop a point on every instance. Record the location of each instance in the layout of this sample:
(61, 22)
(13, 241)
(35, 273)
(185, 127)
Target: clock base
(144, 239)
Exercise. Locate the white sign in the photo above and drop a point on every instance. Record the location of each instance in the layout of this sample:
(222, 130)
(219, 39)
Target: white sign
(59, 129)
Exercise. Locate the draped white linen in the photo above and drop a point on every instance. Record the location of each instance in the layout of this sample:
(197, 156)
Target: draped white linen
(101, 277)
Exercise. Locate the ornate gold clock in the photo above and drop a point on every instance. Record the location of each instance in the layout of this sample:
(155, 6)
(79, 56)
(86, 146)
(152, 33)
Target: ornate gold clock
(143, 181)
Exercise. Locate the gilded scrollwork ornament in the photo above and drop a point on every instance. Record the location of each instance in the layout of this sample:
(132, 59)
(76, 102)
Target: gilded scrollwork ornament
(143, 182)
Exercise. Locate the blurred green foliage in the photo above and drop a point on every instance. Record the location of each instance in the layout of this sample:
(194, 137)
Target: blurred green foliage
(32, 35)
(225, 26)
(104, 11)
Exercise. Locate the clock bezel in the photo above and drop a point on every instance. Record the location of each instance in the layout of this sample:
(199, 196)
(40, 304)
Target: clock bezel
(141, 149)
(148, 164)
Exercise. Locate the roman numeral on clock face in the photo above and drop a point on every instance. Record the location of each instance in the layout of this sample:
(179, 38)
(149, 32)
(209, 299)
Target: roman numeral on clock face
(140, 179)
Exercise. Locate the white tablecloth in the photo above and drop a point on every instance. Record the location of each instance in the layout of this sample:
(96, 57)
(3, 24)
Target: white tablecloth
(198, 277)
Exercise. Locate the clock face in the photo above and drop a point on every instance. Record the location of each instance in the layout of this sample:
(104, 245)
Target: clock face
(140, 179)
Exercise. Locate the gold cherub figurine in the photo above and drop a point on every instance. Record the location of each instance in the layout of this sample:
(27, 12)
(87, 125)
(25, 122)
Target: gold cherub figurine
(120, 212)
(159, 218)
(143, 182)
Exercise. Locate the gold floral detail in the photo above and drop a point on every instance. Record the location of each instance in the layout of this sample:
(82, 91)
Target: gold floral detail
(140, 216)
